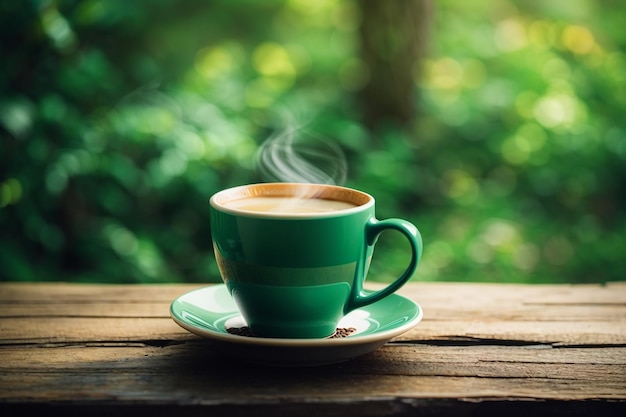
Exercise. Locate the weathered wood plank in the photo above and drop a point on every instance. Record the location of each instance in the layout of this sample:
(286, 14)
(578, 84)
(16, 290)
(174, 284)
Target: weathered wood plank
(195, 369)
(60, 292)
(509, 311)
(90, 329)
(45, 312)
(480, 349)
(477, 294)
(177, 388)
(404, 357)
(81, 329)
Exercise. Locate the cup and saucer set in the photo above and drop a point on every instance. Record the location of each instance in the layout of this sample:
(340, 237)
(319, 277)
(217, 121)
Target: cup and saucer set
(210, 312)
(293, 258)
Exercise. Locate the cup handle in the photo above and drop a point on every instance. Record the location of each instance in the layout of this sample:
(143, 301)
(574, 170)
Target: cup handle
(373, 229)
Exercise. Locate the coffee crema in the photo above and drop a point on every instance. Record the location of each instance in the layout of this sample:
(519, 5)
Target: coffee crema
(288, 205)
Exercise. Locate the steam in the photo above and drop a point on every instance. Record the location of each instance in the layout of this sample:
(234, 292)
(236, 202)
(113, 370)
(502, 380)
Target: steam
(298, 156)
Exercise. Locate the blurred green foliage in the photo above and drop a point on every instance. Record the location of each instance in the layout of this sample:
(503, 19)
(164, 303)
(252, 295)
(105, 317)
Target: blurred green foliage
(118, 121)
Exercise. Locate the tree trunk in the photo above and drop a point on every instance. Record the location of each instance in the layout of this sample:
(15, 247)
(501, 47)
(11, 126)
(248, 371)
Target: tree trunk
(393, 41)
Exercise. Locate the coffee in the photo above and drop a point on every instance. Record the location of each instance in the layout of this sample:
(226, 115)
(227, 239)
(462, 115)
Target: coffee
(289, 205)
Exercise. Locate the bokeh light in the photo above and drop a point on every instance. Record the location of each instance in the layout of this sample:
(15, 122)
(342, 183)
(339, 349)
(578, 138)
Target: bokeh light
(120, 119)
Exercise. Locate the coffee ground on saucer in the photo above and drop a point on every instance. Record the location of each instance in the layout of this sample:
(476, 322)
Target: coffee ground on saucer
(245, 331)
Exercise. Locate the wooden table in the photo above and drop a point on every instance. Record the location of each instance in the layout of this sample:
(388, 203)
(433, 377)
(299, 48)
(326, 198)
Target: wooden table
(481, 349)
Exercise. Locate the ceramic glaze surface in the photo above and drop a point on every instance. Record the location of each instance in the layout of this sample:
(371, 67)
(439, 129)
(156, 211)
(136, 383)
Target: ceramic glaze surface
(209, 312)
(295, 275)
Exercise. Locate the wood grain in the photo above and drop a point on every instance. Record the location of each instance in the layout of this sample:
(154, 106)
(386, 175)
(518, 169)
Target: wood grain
(481, 348)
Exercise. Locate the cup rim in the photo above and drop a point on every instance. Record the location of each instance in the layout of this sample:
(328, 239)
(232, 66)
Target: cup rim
(362, 199)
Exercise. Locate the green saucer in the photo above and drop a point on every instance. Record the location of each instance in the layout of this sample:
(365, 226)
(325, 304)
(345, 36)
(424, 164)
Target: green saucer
(210, 312)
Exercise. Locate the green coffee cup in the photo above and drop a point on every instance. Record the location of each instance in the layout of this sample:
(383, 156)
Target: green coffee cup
(294, 257)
